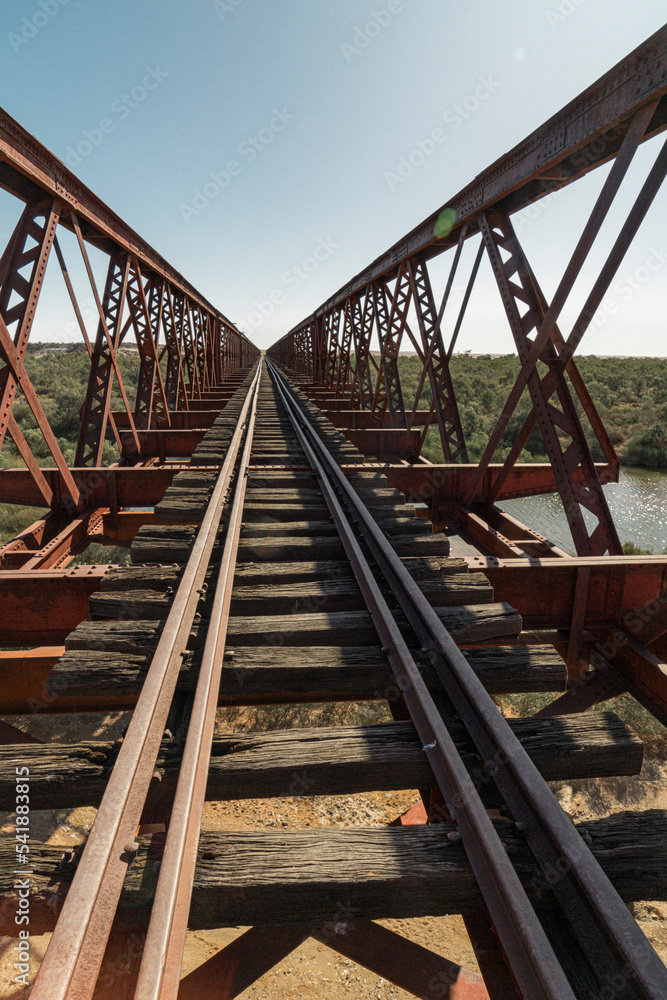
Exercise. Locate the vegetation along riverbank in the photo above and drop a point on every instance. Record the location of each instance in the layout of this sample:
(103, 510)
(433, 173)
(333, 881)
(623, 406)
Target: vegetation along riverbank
(630, 393)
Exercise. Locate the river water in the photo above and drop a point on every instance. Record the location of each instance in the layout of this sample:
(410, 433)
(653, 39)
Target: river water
(638, 503)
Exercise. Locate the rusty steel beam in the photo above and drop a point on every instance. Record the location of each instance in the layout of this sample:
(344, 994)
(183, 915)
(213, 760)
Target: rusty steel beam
(123, 526)
(160, 443)
(386, 442)
(23, 686)
(138, 486)
(31, 172)
(607, 122)
(650, 622)
(23, 677)
(44, 606)
(179, 420)
(359, 420)
(50, 541)
(196, 405)
(547, 327)
(146, 304)
(67, 542)
(492, 531)
(28, 251)
(436, 363)
(16, 372)
(172, 315)
(38, 480)
(641, 670)
(621, 590)
(22, 271)
(104, 361)
(74, 956)
(142, 293)
(29, 540)
(449, 483)
(598, 685)
(10, 734)
(391, 310)
(555, 411)
(130, 486)
(583, 135)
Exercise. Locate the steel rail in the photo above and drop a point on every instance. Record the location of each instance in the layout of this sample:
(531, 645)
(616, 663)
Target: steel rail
(610, 938)
(526, 945)
(71, 964)
(160, 969)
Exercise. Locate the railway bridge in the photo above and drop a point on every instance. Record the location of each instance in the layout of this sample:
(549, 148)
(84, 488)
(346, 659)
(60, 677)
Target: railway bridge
(290, 543)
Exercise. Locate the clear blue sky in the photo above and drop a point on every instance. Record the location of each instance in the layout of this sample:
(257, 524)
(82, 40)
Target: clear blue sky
(314, 110)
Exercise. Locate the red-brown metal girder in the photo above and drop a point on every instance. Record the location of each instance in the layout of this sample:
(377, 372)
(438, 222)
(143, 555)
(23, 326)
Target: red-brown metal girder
(104, 364)
(447, 416)
(32, 173)
(22, 271)
(151, 406)
(17, 373)
(583, 135)
(547, 327)
(362, 320)
(145, 486)
(391, 321)
(517, 289)
(190, 351)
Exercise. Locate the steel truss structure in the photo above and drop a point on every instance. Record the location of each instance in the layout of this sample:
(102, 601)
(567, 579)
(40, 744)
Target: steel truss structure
(176, 329)
(602, 611)
(393, 302)
(186, 346)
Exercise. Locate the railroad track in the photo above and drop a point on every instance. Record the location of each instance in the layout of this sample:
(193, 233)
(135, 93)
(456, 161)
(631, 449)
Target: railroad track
(270, 577)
